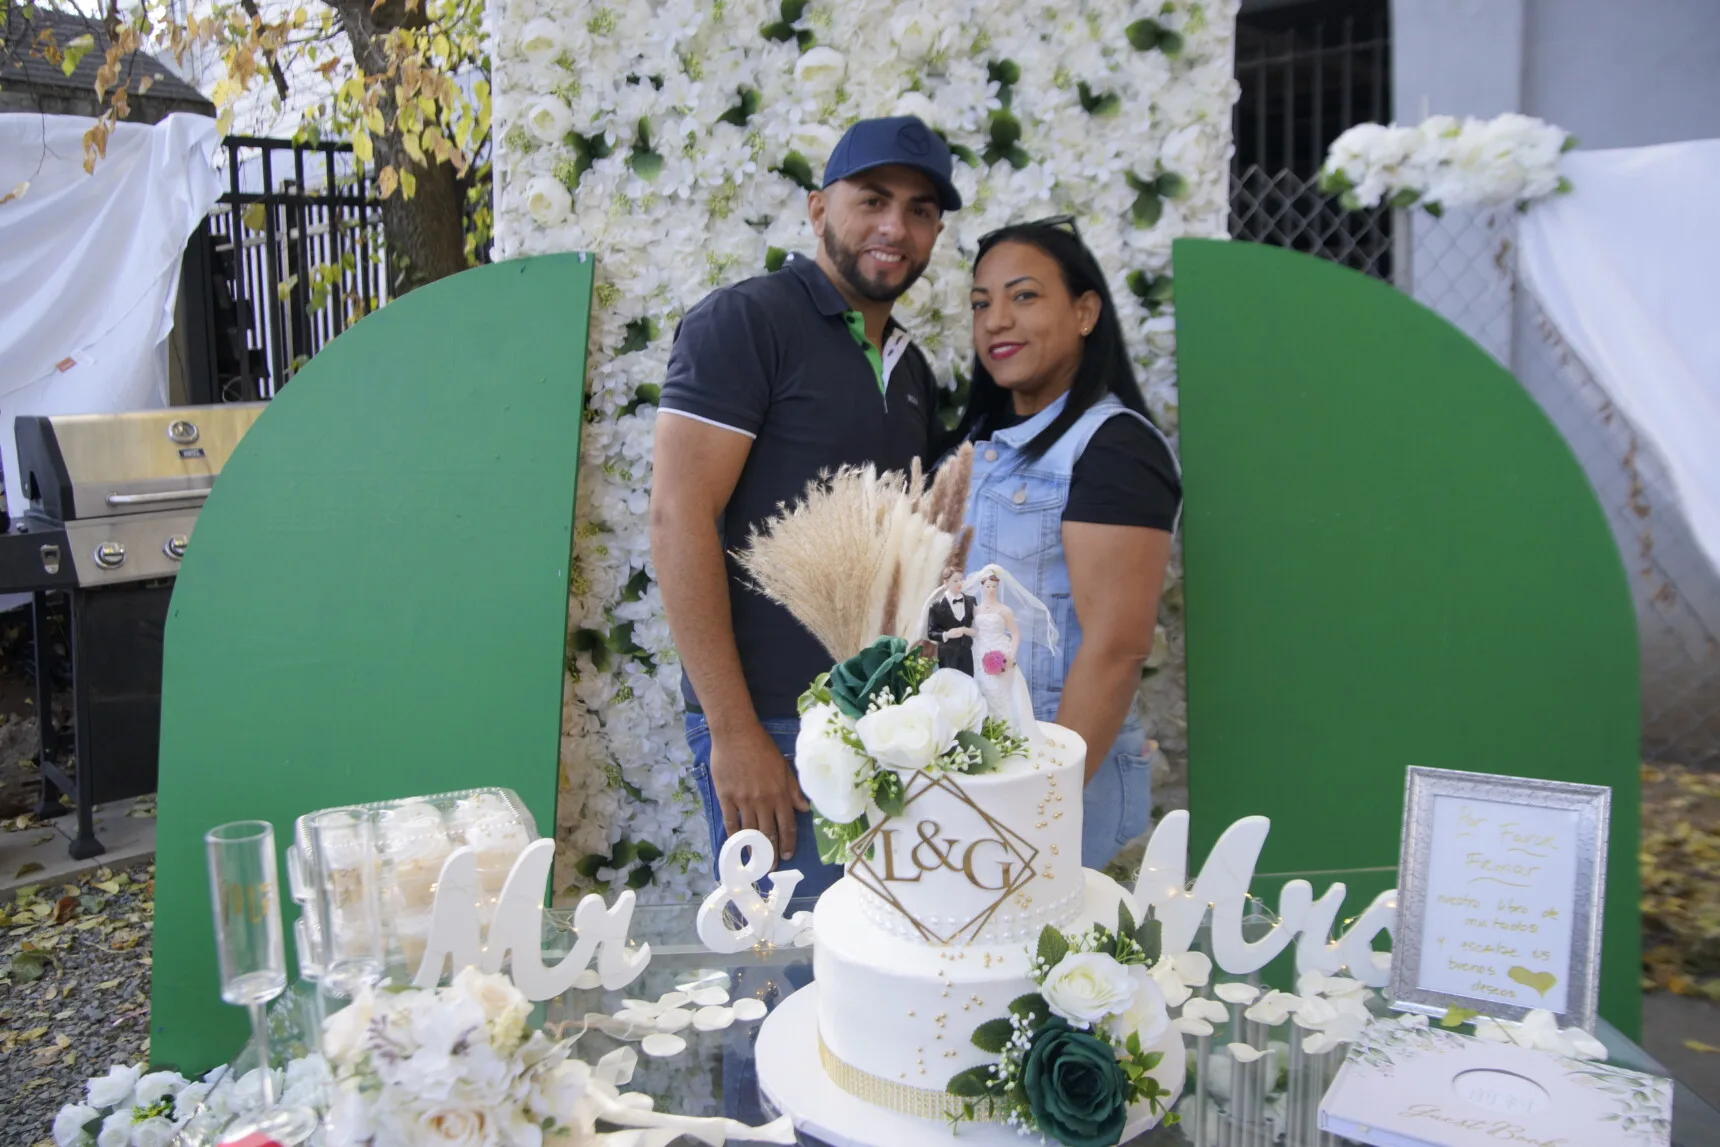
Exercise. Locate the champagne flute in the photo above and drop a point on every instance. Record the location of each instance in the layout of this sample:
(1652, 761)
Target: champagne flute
(246, 897)
(344, 861)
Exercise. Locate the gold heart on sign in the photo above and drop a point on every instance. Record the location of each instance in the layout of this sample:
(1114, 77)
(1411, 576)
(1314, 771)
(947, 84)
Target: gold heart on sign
(1541, 981)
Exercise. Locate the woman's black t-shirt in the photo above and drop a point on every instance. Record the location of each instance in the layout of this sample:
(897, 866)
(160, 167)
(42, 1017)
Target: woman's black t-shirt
(1125, 477)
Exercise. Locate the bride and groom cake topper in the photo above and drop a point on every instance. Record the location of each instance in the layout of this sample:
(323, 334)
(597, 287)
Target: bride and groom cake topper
(979, 624)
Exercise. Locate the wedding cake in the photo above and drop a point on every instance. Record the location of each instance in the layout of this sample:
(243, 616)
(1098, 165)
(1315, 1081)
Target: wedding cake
(962, 842)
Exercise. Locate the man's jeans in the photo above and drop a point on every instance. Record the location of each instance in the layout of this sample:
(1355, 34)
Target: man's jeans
(815, 875)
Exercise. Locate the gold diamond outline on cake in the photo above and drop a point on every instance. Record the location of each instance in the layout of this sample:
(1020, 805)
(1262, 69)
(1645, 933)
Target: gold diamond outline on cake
(1018, 846)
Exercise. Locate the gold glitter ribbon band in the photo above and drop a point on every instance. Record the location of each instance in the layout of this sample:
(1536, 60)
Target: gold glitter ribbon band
(903, 1098)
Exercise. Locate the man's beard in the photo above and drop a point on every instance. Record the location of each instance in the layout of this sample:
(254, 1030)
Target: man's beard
(847, 263)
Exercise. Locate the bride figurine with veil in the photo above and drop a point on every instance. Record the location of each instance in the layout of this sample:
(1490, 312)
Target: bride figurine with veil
(1005, 617)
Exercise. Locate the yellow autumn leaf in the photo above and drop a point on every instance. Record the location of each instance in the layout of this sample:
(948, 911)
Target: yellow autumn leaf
(387, 180)
(1698, 1046)
(410, 142)
(408, 184)
(374, 121)
(362, 150)
(75, 51)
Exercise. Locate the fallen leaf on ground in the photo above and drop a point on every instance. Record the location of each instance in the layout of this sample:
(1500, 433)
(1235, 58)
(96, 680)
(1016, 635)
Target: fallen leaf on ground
(65, 909)
(25, 869)
(1704, 1048)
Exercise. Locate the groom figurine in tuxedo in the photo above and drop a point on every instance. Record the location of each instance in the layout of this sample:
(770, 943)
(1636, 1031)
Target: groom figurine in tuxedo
(950, 625)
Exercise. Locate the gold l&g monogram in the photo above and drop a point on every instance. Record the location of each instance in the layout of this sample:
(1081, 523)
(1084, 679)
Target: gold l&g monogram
(247, 902)
(941, 857)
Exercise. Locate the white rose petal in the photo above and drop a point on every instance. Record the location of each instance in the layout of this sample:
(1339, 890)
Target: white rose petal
(549, 120)
(1318, 1043)
(713, 1018)
(661, 1045)
(158, 1085)
(69, 1125)
(674, 1019)
(672, 999)
(1146, 1016)
(548, 201)
(830, 771)
(115, 1088)
(1194, 968)
(905, 737)
(1204, 1009)
(1584, 1045)
(957, 697)
(588, 979)
(709, 997)
(1176, 992)
(748, 1009)
(1086, 987)
(1244, 1053)
(1237, 993)
(152, 1132)
(1189, 1026)
(820, 69)
(1414, 1020)
(115, 1130)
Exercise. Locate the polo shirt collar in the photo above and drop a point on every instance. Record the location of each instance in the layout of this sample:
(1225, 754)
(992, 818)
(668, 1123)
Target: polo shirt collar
(1023, 432)
(825, 296)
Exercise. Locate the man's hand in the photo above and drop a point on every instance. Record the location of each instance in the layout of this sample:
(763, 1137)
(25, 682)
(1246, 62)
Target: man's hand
(961, 631)
(756, 787)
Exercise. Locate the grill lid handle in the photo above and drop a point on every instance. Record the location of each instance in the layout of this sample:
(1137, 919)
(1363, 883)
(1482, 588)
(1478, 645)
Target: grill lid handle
(157, 496)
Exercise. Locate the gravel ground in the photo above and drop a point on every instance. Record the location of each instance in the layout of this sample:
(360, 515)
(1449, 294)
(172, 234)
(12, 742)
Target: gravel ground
(74, 992)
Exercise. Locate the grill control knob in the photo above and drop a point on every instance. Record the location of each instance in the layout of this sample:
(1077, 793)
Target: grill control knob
(175, 547)
(182, 431)
(110, 555)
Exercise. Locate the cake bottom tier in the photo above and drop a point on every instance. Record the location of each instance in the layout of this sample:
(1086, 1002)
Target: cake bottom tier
(896, 1016)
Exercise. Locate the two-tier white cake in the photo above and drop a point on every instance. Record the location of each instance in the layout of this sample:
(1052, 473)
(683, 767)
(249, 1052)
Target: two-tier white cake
(930, 933)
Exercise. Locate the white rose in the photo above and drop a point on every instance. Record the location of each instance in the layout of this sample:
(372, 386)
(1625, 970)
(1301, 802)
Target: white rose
(1146, 1014)
(556, 1094)
(815, 141)
(957, 698)
(540, 41)
(454, 1127)
(1086, 987)
(116, 1130)
(70, 1122)
(505, 1006)
(345, 1032)
(115, 1088)
(550, 120)
(157, 1085)
(820, 70)
(908, 736)
(152, 1132)
(548, 201)
(918, 105)
(829, 769)
(915, 33)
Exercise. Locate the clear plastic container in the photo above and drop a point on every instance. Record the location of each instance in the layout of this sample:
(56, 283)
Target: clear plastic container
(414, 838)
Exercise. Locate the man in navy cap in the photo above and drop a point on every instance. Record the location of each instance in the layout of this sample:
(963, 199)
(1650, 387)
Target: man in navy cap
(772, 381)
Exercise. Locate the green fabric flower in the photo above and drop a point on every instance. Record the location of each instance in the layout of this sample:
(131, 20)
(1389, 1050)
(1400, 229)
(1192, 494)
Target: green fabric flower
(1075, 1087)
(879, 666)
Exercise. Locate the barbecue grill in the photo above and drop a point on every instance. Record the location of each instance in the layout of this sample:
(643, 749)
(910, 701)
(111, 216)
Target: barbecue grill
(112, 501)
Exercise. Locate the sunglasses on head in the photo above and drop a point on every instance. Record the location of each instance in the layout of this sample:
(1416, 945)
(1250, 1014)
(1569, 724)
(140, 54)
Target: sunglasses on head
(1051, 222)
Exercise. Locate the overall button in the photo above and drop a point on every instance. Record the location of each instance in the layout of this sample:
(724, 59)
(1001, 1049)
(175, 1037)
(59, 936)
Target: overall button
(1020, 496)
(991, 456)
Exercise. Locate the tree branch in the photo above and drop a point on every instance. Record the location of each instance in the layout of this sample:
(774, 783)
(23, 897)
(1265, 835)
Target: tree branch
(250, 7)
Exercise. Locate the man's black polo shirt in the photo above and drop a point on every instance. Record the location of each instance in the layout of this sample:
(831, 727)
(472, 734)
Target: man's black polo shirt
(773, 358)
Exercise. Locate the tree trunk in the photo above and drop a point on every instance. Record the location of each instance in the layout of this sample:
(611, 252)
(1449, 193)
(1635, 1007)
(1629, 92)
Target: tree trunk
(425, 234)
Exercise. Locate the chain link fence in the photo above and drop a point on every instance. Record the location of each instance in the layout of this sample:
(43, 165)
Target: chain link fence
(1464, 266)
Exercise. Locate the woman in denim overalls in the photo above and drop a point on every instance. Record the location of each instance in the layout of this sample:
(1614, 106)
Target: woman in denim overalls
(1050, 369)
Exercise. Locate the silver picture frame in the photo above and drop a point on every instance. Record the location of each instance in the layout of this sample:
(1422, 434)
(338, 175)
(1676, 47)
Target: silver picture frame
(1592, 805)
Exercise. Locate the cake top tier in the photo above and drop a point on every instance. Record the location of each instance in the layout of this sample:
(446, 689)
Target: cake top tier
(979, 859)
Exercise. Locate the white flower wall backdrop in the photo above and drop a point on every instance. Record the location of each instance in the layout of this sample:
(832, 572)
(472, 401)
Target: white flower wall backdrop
(676, 139)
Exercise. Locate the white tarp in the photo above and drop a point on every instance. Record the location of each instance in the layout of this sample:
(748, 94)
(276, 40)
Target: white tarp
(1625, 266)
(89, 264)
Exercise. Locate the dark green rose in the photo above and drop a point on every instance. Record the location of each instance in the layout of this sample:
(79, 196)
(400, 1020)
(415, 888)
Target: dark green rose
(1075, 1086)
(879, 666)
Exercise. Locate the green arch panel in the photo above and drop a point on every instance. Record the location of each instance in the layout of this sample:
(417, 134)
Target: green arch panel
(1391, 558)
(375, 601)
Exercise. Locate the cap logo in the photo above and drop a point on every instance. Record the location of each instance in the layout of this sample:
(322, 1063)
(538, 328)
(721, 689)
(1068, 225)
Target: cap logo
(914, 139)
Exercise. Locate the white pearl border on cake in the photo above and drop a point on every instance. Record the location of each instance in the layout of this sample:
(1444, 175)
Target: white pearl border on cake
(1003, 928)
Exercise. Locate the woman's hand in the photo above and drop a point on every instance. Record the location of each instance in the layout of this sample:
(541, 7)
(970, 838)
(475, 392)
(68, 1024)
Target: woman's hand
(959, 631)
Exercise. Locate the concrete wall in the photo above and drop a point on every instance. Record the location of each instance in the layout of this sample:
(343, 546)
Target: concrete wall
(1623, 75)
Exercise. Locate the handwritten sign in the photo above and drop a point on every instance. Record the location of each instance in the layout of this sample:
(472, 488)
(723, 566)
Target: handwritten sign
(1499, 886)
(1499, 896)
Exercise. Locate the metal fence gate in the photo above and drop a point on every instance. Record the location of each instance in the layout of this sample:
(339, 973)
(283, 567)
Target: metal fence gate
(291, 256)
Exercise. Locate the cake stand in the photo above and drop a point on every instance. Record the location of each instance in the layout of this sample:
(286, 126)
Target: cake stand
(792, 1082)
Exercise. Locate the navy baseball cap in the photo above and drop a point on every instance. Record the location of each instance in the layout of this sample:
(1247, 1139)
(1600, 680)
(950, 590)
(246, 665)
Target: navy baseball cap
(901, 141)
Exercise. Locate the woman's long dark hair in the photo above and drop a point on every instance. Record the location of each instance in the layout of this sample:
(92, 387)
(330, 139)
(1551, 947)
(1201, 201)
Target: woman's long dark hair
(1105, 364)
